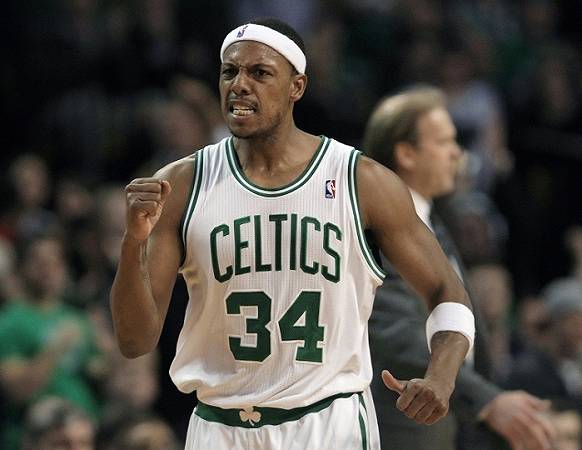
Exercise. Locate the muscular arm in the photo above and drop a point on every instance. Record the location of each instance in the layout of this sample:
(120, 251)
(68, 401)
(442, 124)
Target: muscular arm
(416, 255)
(418, 258)
(409, 245)
(398, 341)
(150, 257)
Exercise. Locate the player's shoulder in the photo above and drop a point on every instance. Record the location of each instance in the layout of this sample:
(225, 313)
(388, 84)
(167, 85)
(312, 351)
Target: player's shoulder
(181, 174)
(368, 170)
(373, 172)
(179, 169)
(374, 182)
(338, 147)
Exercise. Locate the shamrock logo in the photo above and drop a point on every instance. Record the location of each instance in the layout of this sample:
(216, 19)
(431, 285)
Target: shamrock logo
(250, 415)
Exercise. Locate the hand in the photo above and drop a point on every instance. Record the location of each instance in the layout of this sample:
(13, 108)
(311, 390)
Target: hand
(145, 198)
(424, 400)
(517, 417)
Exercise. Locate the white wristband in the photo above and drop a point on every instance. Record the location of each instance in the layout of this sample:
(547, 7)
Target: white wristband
(451, 316)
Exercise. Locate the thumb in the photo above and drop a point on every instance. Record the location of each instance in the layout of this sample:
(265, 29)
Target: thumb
(392, 383)
(166, 189)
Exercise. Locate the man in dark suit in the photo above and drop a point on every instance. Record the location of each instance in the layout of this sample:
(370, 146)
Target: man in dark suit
(554, 371)
(412, 134)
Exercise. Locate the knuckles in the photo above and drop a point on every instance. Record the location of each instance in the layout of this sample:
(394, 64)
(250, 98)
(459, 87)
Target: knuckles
(424, 398)
(144, 185)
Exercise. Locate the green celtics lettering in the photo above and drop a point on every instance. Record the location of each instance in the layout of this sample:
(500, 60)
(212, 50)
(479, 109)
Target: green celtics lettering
(301, 231)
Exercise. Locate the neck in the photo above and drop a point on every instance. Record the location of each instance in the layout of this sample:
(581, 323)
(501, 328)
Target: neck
(283, 146)
(271, 142)
(277, 160)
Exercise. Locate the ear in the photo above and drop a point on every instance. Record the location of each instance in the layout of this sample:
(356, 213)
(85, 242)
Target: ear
(405, 155)
(297, 88)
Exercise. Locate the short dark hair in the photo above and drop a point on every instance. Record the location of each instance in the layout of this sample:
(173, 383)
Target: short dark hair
(281, 27)
(395, 119)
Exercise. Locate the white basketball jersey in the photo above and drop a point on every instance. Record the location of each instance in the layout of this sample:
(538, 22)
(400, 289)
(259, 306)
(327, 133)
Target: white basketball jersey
(281, 284)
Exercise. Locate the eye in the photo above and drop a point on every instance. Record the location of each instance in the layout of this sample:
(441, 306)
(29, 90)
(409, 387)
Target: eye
(228, 72)
(261, 73)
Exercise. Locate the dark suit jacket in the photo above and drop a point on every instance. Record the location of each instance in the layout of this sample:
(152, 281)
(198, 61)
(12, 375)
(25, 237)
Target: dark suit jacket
(537, 373)
(398, 343)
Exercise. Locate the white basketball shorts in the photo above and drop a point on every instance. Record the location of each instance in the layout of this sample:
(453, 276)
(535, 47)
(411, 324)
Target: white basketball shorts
(343, 421)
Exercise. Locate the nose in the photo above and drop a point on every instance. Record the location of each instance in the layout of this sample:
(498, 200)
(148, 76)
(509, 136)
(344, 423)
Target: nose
(240, 83)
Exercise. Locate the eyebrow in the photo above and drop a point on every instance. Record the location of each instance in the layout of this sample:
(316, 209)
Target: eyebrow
(255, 65)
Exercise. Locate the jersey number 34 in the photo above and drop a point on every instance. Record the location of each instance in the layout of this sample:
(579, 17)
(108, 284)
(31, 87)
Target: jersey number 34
(308, 333)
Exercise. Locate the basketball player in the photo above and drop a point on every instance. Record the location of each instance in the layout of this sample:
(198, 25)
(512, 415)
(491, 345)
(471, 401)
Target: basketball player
(267, 228)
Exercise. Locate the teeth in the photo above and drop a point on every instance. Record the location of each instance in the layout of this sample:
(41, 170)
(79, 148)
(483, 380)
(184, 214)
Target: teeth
(238, 111)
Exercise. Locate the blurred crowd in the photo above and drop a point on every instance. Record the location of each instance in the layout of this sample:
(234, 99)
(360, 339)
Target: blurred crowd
(98, 92)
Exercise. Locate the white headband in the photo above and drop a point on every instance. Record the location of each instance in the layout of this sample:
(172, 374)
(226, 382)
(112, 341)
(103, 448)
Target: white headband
(265, 35)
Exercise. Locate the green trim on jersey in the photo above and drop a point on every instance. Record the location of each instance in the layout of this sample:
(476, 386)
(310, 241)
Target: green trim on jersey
(192, 198)
(352, 183)
(275, 192)
(256, 417)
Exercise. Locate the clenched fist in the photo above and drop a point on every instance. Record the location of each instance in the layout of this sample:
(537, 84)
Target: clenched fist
(145, 198)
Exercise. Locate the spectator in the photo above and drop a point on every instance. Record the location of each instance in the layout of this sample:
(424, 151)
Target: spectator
(555, 372)
(477, 227)
(48, 348)
(413, 134)
(477, 113)
(177, 128)
(55, 424)
(131, 387)
(10, 283)
(28, 215)
(144, 433)
(201, 98)
(491, 284)
(533, 325)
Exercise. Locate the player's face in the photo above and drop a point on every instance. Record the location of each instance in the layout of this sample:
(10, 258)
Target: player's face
(258, 87)
(437, 156)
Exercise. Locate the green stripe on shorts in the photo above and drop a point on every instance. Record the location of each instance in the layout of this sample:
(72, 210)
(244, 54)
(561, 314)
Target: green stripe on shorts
(255, 417)
(363, 423)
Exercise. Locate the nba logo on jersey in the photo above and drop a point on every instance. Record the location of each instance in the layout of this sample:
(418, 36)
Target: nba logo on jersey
(241, 31)
(330, 189)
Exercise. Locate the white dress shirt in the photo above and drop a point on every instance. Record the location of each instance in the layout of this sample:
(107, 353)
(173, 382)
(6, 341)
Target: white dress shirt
(422, 206)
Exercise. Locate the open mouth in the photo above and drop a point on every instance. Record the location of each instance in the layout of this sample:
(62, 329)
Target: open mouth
(241, 111)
